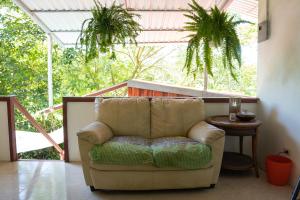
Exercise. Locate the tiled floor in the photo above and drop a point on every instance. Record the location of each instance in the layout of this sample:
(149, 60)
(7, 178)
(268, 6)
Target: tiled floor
(56, 180)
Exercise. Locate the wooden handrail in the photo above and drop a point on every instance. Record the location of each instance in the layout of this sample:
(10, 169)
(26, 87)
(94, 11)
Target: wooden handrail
(97, 93)
(106, 90)
(38, 127)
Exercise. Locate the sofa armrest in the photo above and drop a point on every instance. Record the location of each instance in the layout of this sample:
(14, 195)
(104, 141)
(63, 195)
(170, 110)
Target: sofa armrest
(213, 136)
(205, 133)
(95, 133)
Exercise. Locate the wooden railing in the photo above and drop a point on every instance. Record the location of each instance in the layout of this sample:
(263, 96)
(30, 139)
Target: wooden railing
(38, 127)
(97, 93)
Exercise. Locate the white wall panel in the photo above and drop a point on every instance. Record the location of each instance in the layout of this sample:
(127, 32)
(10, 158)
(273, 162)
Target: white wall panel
(4, 133)
(79, 115)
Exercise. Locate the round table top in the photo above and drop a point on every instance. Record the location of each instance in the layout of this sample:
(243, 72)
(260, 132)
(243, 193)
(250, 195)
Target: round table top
(224, 122)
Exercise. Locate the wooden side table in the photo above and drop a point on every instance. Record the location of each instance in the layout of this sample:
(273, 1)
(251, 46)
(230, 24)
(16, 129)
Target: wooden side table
(234, 160)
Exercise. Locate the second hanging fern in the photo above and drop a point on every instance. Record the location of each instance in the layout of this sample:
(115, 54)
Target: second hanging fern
(211, 29)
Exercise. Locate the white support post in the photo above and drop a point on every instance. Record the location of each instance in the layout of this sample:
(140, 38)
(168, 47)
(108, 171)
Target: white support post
(50, 82)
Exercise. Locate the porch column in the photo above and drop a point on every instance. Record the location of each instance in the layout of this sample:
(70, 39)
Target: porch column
(50, 83)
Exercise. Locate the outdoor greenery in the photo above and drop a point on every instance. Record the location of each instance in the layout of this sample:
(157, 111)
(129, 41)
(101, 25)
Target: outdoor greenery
(23, 70)
(108, 26)
(213, 29)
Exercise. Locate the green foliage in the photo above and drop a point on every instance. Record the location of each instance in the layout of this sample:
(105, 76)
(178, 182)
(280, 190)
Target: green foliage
(171, 73)
(6, 3)
(108, 26)
(23, 60)
(79, 78)
(214, 29)
(49, 121)
(142, 59)
(45, 154)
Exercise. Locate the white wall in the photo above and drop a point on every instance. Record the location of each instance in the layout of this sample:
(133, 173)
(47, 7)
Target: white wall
(279, 82)
(81, 114)
(4, 134)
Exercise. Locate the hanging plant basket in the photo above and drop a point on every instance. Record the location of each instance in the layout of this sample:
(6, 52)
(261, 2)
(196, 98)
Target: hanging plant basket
(108, 27)
(211, 30)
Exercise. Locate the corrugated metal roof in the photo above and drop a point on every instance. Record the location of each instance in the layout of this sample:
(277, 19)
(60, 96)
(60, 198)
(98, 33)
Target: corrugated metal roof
(161, 20)
(245, 8)
(38, 5)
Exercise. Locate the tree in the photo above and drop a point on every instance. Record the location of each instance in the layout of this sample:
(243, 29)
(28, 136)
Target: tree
(22, 59)
(143, 59)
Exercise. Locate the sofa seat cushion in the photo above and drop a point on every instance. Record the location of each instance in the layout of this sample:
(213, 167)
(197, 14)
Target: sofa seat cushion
(180, 152)
(123, 150)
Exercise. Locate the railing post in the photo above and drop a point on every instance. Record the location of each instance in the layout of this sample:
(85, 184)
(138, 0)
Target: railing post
(65, 125)
(12, 129)
(8, 149)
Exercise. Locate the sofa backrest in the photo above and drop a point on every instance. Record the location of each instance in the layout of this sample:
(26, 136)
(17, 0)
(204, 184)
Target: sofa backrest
(125, 116)
(174, 117)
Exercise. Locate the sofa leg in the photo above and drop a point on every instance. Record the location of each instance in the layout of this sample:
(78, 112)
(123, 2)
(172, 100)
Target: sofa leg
(92, 188)
(212, 186)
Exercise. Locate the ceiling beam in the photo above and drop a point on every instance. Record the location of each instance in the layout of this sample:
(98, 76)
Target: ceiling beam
(129, 9)
(126, 4)
(150, 42)
(35, 18)
(144, 30)
(225, 4)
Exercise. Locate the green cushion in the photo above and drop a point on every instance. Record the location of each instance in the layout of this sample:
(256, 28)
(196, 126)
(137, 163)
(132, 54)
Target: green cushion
(126, 150)
(180, 152)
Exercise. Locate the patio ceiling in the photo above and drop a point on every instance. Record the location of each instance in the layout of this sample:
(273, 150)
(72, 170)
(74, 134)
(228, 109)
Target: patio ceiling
(162, 21)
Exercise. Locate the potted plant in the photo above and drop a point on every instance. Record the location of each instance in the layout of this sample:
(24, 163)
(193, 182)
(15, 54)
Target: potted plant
(108, 26)
(209, 30)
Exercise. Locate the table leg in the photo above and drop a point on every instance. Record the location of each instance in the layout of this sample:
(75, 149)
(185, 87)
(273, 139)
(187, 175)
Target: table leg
(254, 142)
(241, 144)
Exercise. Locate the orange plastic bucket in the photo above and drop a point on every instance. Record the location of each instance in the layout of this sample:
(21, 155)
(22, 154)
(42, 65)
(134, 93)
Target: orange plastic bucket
(278, 169)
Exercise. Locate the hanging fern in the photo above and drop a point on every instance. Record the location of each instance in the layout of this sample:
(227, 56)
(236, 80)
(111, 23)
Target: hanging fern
(213, 29)
(108, 26)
